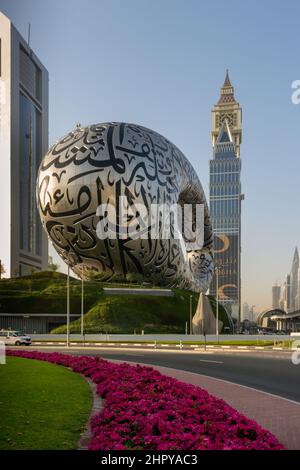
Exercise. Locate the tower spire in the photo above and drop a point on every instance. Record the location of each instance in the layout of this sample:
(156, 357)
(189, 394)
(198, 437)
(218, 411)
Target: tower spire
(227, 81)
(296, 256)
(227, 108)
(227, 91)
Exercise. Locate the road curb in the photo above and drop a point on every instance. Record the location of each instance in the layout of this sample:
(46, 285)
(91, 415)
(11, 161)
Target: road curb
(97, 407)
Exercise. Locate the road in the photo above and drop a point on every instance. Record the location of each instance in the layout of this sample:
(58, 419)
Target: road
(272, 373)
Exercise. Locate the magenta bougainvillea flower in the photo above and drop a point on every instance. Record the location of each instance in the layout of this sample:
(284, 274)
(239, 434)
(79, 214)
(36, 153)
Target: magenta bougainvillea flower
(146, 410)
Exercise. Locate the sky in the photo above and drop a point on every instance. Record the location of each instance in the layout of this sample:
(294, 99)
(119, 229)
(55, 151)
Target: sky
(160, 63)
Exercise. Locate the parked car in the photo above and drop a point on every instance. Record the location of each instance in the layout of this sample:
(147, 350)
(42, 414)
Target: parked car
(14, 338)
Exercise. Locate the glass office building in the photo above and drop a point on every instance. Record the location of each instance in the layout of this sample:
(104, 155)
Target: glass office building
(225, 200)
(23, 142)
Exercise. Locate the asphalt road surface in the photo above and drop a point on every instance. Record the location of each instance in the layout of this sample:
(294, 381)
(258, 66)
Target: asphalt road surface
(274, 375)
(271, 373)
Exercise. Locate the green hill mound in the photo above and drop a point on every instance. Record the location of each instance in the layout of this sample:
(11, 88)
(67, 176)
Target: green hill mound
(46, 293)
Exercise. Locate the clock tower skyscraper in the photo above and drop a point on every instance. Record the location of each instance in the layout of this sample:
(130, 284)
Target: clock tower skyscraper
(225, 199)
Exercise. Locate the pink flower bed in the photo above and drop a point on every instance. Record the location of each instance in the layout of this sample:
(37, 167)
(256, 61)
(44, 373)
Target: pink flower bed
(144, 409)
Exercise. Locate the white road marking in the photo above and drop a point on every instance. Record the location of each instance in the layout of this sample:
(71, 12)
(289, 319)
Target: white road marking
(210, 360)
(136, 355)
(203, 351)
(240, 351)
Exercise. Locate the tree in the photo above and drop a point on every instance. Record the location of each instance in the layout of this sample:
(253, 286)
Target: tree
(2, 269)
(51, 265)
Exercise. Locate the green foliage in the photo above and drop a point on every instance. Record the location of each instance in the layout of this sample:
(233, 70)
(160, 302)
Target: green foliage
(45, 292)
(2, 268)
(126, 313)
(134, 278)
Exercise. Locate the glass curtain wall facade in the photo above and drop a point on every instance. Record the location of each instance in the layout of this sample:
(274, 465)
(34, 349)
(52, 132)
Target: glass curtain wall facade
(23, 142)
(225, 201)
(30, 156)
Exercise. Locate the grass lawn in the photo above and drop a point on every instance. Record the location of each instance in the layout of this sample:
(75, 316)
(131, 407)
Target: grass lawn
(42, 406)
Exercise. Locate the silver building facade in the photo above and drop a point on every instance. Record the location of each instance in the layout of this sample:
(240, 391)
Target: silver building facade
(23, 142)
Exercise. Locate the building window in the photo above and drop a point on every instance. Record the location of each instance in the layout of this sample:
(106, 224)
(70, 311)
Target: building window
(30, 157)
(30, 75)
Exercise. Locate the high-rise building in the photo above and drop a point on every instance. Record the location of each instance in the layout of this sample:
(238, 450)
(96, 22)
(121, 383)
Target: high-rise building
(252, 313)
(287, 294)
(276, 291)
(246, 311)
(294, 280)
(225, 198)
(297, 298)
(23, 142)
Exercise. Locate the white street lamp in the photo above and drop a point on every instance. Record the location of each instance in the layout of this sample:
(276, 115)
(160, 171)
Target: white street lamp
(217, 300)
(68, 307)
(191, 326)
(82, 306)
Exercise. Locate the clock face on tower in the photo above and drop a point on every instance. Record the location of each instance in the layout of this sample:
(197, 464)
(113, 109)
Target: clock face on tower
(231, 119)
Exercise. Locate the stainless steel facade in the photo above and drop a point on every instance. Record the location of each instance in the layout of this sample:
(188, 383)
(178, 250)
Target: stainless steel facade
(97, 165)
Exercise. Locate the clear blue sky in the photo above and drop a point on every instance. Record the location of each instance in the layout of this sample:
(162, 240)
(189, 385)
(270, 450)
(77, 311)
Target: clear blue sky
(160, 63)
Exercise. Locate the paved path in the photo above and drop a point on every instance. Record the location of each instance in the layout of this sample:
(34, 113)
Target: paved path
(278, 415)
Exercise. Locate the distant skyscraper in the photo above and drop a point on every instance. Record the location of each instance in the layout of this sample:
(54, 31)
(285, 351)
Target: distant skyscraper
(23, 141)
(297, 298)
(246, 311)
(276, 290)
(294, 280)
(287, 294)
(225, 197)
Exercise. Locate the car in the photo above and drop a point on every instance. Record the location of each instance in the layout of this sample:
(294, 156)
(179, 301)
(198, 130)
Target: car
(14, 338)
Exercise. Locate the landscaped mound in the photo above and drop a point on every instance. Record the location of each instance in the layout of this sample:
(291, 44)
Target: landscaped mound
(146, 410)
(45, 292)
